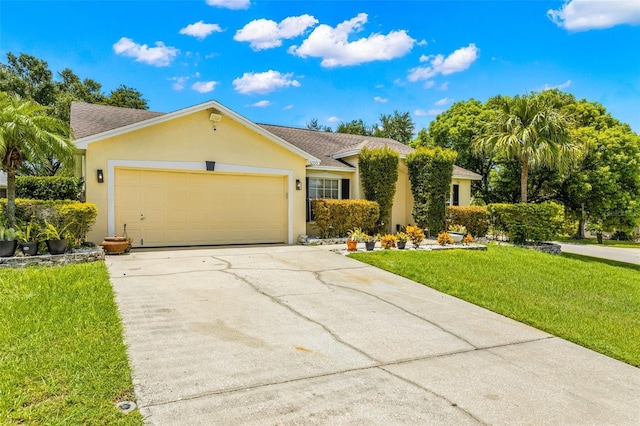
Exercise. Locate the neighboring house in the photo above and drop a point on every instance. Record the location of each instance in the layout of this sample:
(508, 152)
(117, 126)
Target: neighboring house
(206, 175)
(3, 184)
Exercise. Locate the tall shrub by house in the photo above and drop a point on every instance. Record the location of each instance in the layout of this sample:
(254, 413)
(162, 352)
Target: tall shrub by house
(48, 188)
(334, 218)
(379, 174)
(430, 173)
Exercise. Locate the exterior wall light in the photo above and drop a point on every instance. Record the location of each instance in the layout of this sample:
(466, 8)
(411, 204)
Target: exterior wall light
(298, 184)
(100, 176)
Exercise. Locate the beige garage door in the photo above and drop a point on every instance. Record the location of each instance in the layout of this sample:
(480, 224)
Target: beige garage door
(163, 208)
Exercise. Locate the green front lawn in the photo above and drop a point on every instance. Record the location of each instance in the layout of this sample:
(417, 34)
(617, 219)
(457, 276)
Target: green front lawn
(578, 298)
(62, 358)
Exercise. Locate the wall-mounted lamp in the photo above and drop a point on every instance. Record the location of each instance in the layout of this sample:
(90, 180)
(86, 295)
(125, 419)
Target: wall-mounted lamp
(298, 184)
(210, 165)
(100, 176)
(214, 118)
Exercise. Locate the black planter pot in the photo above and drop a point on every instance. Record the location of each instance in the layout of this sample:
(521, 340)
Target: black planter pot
(8, 248)
(29, 248)
(401, 245)
(57, 246)
(370, 245)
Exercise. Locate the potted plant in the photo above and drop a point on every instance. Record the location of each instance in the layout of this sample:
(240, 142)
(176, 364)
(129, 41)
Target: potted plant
(370, 242)
(28, 242)
(457, 232)
(54, 238)
(416, 235)
(388, 241)
(401, 240)
(355, 236)
(8, 241)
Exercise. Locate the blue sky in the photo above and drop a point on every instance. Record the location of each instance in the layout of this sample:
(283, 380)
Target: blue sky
(287, 62)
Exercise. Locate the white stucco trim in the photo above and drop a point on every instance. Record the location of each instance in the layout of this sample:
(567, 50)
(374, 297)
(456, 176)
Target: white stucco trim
(193, 166)
(331, 169)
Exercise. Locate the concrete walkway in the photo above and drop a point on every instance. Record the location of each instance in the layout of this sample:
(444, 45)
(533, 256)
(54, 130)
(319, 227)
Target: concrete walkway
(300, 335)
(621, 254)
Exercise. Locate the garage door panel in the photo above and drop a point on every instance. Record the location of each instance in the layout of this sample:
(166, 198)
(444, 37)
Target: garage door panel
(163, 208)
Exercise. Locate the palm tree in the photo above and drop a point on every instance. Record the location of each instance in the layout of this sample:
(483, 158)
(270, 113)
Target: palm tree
(28, 134)
(532, 131)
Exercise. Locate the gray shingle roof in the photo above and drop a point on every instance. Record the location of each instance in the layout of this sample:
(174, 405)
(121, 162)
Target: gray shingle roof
(91, 119)
(328, 146)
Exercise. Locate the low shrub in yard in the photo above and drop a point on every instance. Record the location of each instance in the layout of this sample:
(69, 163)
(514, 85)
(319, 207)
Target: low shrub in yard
(48, 187)
(334, 218)
(526, 222)
(474, 218)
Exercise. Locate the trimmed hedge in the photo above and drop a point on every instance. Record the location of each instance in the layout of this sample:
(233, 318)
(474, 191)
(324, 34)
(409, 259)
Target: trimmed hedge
(48, 188)
(335, 217)
(474, 218)
(430, 173)
(379, 174)
(73, 216)
(526, 222)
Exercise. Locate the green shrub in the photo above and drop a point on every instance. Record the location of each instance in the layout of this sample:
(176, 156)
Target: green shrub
(73, 216)
(379, 174)
(48, 188)
(525, 222)
(474, 218)
(334, 218)
(430, 172)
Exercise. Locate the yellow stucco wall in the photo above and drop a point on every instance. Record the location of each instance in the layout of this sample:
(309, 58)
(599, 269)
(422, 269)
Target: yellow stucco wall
(464, 194)
(190, 139)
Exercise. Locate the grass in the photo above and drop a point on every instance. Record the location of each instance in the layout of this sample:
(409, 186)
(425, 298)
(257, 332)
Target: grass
(605, 243)
(581, 299)
(62, 357)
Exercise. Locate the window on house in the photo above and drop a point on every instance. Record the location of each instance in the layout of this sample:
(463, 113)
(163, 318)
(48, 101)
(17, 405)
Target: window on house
(455, 197)
(324, 188)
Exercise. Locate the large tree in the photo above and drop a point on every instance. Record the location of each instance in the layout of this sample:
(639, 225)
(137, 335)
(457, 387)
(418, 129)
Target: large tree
(533, 131)
(27, 133)
(399, 127)
(355, 127)
(455, 128)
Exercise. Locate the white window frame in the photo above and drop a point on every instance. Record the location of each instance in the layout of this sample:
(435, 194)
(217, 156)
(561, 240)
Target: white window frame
(324, 179)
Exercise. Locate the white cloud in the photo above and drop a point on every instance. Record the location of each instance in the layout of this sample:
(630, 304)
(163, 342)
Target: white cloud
(263, 82)
(458, 61)
(204, 86)
(379, 99)
(561, 86)
(266, 34)
(584, 15)
(335, 49)
(444, 86)
(427, 113)
(288, 107)
(230, 4)
(443, 102)
(429, 84)
(333, 119)
(200, 30)
(160, 56)
(178, 82)
(422, 42)
(261, 104)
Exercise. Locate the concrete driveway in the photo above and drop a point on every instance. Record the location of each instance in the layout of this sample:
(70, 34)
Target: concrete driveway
(301, 335)
(621, 254)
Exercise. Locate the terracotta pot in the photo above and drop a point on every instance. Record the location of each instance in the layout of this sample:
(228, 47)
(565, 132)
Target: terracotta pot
(115, 245)
(352, 245)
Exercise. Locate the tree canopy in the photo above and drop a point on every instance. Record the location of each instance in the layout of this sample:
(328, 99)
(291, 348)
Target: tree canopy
(28, 134)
